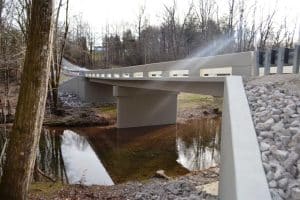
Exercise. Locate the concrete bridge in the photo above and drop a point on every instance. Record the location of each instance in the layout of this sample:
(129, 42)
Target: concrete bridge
(146, 95)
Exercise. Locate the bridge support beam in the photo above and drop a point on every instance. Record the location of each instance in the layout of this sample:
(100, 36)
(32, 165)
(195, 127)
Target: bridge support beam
(87, 91)
(143, 107)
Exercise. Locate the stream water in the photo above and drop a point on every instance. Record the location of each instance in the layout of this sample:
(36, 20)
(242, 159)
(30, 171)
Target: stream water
(106, 156)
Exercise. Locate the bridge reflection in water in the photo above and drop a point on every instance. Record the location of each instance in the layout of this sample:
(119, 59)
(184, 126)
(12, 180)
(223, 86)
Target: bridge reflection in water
(104, 156)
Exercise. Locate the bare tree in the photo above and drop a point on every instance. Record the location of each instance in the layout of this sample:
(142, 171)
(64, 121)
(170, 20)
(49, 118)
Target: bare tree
(25, 135)
(11, 54)
(171, 29)
(140, 20)
(289, 35)
(23, 13)
(58, 52)
(241, 27)
(265, 29)
(205, 15)
(190, 30)
(2, 2)
(278, 39)
(230, 26)
(251, 34)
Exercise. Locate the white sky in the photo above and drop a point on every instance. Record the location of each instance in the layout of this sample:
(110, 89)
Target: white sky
(98, 13)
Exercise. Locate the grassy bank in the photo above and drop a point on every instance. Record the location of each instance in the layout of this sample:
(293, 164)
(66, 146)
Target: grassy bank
(189, 100)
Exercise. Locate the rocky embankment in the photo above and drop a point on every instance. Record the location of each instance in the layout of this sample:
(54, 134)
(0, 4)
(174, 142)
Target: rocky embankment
(275, 105)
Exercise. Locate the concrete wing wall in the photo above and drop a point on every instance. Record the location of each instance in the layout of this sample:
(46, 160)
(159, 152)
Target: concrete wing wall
(241, 175)
(75, 86)
(88, 91)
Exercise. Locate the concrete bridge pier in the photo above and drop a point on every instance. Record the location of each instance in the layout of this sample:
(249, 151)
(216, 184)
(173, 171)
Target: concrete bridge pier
(143, 107)
(88, 91)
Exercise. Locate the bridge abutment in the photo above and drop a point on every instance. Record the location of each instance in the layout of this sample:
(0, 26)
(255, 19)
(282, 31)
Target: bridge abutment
(88, 91)
(143, 107)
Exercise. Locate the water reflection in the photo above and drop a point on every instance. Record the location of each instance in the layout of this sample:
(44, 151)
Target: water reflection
(3, 144)
(198, 143)
(103, 156)
(49, 157)
(82, 164)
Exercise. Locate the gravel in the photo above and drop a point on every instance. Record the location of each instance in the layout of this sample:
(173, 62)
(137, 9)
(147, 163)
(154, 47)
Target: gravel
(70, 100)
(187, 187)
(275, 105)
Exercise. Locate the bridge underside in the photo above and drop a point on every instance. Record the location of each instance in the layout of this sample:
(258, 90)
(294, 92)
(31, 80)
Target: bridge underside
(141, 102)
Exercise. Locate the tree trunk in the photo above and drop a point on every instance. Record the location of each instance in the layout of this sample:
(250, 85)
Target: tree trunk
(57, 57)
(25, 135)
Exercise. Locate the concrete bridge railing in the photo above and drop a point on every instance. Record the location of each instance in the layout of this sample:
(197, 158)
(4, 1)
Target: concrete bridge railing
(275, 61)
(252, 63)
(228, 64)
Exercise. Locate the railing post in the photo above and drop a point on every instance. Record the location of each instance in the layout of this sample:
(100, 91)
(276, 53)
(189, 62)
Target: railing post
(256, 63)
(280, 60)
(267, 62)
(296, 59)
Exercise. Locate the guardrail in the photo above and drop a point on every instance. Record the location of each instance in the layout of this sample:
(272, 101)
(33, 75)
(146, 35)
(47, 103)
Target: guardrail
(241, 174)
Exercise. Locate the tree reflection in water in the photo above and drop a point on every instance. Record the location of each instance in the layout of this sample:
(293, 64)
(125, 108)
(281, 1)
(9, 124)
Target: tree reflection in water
(68, 156)
(3, 141)
(104, 156)
(49, 157)
(198, 143)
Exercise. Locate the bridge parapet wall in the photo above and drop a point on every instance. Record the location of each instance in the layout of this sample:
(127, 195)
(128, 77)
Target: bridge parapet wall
(246, 64)
(239, 63)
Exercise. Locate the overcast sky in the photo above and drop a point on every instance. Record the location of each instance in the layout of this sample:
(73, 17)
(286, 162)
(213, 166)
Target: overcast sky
(98, 13)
